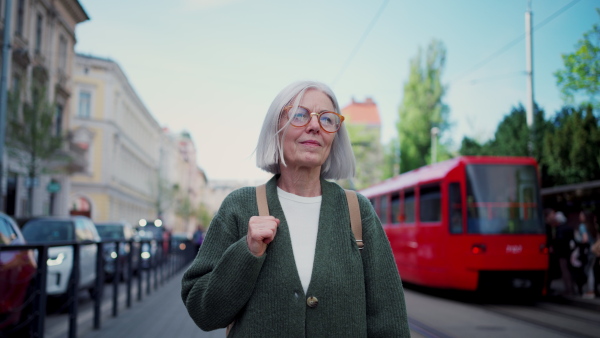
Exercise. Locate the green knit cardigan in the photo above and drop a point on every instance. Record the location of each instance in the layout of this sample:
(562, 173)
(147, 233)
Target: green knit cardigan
(359, 293)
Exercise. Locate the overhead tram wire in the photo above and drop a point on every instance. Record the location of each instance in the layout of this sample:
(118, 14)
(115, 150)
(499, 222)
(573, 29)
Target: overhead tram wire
(360, 42)
(516, 40)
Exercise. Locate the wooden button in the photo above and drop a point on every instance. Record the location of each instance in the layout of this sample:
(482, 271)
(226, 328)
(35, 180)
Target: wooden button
(312, 302)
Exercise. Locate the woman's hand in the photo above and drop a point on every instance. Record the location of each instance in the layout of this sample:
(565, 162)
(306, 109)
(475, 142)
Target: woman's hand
(261, 232)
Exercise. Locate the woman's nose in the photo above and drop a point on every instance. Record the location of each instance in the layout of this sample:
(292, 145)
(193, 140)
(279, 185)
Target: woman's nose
(313, 124)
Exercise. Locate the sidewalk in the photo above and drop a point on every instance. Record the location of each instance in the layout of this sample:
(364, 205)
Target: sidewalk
(579, 301)
(161, 314)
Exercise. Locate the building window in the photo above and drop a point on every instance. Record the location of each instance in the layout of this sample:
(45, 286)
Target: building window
(38, 34)
(62, 53)
(20, 17)
(58, 120)
(85, 104)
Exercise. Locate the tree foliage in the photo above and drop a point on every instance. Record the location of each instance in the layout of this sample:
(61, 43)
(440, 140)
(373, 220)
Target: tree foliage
(32, 139)
(582, 68)
(566, 147)
(368, 153)
(511, 137)
(422, 107)
(391, 159)
(571, 147)
(203, 216)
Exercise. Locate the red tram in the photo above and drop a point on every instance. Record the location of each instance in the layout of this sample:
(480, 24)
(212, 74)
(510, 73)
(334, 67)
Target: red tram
(469, 223)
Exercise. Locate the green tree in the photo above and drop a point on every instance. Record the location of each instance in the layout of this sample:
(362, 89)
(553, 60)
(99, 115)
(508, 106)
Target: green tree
(391, 159)
(203, 216)
(32, 139)
(582, 68)
(422, 107)
(470, 147)
(511, 137)
(164, 194)
(368, 153)
(571, 146)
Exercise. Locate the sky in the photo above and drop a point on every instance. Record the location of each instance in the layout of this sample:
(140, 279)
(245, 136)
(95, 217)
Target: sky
(212, 67)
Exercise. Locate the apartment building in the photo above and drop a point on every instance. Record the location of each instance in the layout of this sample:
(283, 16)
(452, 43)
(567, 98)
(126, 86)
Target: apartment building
(42, 52)
(136, 168)
(122, 141)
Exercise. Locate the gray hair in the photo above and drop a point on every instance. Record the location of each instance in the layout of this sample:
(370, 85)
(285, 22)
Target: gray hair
(340, 163)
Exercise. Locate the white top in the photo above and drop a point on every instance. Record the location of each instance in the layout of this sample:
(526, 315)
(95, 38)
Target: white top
(302, 216)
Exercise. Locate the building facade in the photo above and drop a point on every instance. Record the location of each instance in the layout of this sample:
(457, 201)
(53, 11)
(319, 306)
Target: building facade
(122, 143)
(136, 169)
(188, 183)
(42, 53)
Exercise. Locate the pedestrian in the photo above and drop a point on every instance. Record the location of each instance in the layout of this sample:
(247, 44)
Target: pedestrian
(553, 265)
(592, 268)
(299, 271)
(562, 247)
(580, 256)
(198, 238)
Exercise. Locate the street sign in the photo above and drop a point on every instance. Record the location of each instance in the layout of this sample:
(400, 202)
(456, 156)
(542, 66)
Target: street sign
(53, 187)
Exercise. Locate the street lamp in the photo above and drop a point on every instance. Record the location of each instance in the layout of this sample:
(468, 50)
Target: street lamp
(434, 132)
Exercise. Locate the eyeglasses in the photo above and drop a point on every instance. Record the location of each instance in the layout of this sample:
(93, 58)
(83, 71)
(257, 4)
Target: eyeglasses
(329, 121)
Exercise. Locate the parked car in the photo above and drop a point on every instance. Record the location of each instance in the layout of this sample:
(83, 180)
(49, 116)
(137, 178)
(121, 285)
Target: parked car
(118, 231)
(180, 241)
(149, 249)
(17, 271)
(60, 259)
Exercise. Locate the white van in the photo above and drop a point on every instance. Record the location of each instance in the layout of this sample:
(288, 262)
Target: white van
(43, 230)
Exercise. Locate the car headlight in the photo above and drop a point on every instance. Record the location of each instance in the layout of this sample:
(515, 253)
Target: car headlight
(52, 261)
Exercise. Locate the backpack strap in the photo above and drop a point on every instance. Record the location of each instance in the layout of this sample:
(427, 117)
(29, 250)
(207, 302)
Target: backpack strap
(261, 200)
(355, 219)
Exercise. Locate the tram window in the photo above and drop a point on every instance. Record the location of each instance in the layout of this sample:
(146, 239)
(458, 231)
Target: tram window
(430, 204)
(383, 202)
(455, 208)
(409, 206)
(372, 200)
(395, 208)
(503, 199)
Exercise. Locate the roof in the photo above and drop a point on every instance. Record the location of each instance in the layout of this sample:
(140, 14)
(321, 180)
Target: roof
(439, 170)
(362, 112)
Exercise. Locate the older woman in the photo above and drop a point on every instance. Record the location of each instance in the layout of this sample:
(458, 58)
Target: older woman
(297, 272)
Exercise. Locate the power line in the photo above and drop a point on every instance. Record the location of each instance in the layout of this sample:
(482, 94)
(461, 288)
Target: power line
(516, 40)
(360, 42)
(498, 77)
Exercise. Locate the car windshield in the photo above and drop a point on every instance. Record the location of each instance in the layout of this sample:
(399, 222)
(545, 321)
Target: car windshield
(110, 231)
(503, 199)
(40, 231)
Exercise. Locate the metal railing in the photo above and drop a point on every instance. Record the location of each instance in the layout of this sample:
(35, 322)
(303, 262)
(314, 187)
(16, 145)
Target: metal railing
(160, 266)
